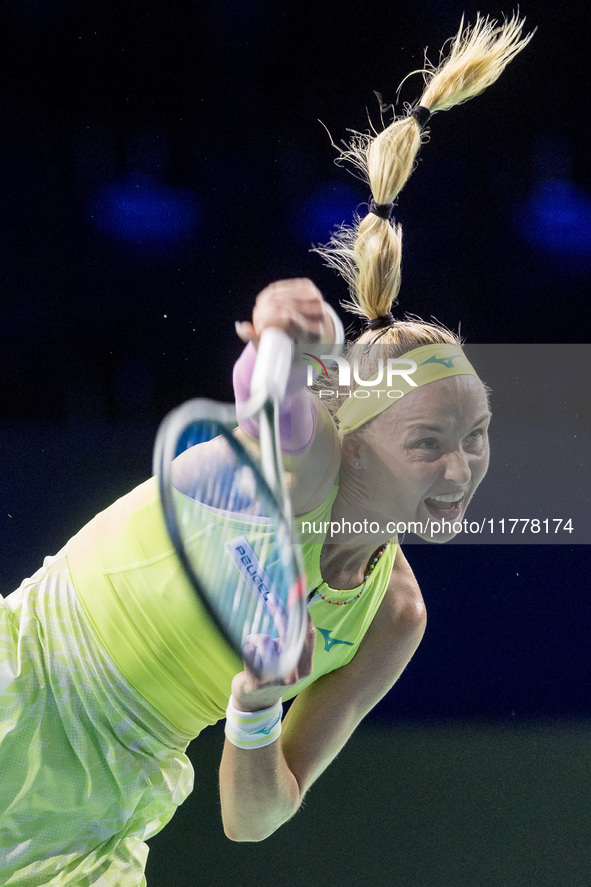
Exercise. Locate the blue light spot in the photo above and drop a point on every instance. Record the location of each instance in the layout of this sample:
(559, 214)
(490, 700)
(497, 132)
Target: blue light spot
(34, 13)
(327, 207)
(142, 212)
(556, 218)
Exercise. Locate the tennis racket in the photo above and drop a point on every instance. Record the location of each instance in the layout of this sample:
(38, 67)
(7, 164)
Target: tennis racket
(229, 517)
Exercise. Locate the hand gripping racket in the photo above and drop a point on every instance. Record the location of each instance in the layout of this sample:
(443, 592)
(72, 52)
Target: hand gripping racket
(229, 517)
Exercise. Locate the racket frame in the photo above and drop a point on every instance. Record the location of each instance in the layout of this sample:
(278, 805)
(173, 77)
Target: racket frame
(271, 477)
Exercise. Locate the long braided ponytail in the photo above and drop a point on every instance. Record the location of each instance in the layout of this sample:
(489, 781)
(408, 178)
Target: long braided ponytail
(368, 255)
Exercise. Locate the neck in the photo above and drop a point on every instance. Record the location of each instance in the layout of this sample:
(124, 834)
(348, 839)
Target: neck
(356, 532)
(355, 520)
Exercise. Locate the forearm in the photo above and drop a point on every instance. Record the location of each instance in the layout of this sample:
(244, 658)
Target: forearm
(258, 791)
(287, 306)
(298, 412)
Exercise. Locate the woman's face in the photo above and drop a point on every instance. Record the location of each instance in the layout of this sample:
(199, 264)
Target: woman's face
(426, 455)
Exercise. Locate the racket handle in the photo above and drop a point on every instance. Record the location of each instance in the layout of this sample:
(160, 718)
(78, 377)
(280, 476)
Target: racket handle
(273, 364)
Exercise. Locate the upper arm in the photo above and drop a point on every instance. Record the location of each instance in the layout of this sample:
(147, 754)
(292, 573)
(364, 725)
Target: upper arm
(323, 717)
(311, 474)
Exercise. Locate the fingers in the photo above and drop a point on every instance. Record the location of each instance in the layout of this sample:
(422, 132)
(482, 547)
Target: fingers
(261, 654)
(245, 331)
(306, 661)
(249, 694)
(295, 306)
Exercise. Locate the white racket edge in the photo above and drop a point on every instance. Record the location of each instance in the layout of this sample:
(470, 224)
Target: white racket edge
(273, 365)
(268, 388)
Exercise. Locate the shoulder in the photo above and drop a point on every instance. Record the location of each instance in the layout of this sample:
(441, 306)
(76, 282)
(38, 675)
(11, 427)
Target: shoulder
(344, 696)
(403, 601)
(397, 628)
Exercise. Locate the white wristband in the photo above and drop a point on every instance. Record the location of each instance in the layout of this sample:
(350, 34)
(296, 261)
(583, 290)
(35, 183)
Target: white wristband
(253, 729)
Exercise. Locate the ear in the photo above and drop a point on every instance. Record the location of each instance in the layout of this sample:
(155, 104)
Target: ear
(352, 451)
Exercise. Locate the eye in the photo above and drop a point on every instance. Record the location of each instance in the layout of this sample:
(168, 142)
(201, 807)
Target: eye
(427, 443)
(476, 437)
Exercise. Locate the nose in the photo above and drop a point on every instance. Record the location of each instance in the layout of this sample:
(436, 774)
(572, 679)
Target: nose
(457, 468)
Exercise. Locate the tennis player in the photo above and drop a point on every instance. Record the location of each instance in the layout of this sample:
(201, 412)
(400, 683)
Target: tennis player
(109, 668)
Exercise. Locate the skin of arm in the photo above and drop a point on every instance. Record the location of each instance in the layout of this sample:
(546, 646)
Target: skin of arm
(297, 307)
(262, 788)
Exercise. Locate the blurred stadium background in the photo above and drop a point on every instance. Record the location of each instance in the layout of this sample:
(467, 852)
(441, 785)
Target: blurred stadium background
(161, 162)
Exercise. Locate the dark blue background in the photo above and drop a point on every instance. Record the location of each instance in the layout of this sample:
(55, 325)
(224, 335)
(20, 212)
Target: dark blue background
(162, 162)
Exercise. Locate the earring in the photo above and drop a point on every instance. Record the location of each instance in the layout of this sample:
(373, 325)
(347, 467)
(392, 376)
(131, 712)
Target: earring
(356, 463)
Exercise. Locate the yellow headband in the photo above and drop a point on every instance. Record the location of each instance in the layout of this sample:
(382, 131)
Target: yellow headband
(398, 377)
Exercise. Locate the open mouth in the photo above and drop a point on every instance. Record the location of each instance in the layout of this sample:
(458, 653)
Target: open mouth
(447, 507)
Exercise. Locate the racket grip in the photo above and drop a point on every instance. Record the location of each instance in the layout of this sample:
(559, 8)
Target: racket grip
(273, 364)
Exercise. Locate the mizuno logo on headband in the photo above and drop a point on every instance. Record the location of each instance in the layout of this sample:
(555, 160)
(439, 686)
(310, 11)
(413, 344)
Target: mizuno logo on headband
(420, 366)
(446, 361)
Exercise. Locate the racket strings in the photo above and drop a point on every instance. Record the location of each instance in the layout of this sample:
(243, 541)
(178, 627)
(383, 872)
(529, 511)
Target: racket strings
(235, 537)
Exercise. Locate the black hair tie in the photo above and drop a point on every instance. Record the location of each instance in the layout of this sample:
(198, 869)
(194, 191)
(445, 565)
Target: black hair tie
(379, 336)
(384, 320)
(421, 114)
(381, 210)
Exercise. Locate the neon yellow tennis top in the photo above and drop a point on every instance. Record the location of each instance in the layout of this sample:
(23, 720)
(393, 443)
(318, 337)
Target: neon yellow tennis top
(158, 634)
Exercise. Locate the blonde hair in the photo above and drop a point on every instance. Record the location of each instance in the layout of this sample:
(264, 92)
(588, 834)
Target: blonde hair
(401, 337)
(368, 254)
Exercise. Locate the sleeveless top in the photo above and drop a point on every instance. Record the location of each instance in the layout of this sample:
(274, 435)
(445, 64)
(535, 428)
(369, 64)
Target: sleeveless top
(151, 623)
